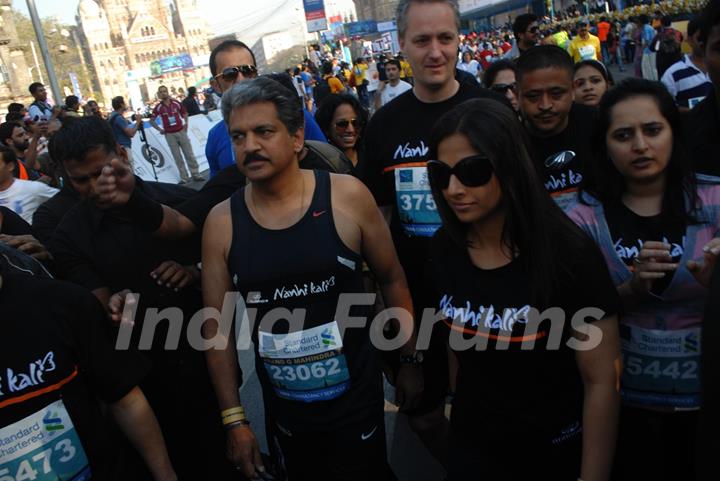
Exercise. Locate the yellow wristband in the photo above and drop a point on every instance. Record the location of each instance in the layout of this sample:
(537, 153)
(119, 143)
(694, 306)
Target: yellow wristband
(231, 419)
(231, 411)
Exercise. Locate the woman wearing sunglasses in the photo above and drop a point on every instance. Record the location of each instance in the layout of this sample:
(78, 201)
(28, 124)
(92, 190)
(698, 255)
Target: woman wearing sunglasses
(533, 400)
(342, 119)
(500, 77)
(657, 226)
(590, 82)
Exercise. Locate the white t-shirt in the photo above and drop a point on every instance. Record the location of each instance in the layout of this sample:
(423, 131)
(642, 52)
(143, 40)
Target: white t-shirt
(24, 197)
(390, 92)
(471, 67)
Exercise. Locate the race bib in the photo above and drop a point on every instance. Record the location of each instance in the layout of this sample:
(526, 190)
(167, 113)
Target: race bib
(307, 365)
(172, 120)
(661, 368)
(587, 52)
(43, 447)
(416, 205)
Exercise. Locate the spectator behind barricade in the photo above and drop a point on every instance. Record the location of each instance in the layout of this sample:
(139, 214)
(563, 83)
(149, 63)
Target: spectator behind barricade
(25, 146)
(71, 107)
(500, 77)
(687, 80)
(174, 120)
(191, 103)
(122, 129)
(590, 82)
(342, 119)
(21, 196)
(468, 64)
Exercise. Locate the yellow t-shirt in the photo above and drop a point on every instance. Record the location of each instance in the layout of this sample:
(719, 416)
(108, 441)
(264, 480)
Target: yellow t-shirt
(336, 85)
(405, 69)
(359, 71)
(585, 49)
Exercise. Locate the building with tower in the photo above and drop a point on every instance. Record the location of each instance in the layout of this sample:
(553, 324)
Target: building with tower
(137, 45)
(14, 74)
(379, 10)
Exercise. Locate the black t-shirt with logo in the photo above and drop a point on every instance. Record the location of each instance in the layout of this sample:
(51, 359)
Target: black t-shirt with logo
(577, 138)
(629, 231)
(396, 147)
(56, 360)
(519, 384)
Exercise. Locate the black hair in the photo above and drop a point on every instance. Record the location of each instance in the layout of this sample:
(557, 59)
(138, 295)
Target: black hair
(72, 101)
(495, 68)
(15, 107)
(78, 137)
(15, 117)
(224, 47)
(394, 61)
(534, 227)
(597, 65)
(693, 26)
(34, 86)
(327, 68)
(6, 130)
(117, 102)
(329, 105)
(603, 181)
(581, 23)
(544, 56)
(644, 19)
(708, 18)
(666, 21)
(8, 154)
(286, 81)
(522, 22)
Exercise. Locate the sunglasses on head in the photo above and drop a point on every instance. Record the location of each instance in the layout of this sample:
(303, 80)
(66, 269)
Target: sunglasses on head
(231, 73)
(503, 88)
(471, 171)
(343, 124)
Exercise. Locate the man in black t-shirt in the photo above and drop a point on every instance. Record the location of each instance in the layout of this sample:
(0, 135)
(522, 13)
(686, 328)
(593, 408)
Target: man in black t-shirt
(56, 359)
(559, 130)
(397, 139)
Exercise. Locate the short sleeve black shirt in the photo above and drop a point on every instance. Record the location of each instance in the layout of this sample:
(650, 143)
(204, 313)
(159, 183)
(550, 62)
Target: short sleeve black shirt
(517, 381)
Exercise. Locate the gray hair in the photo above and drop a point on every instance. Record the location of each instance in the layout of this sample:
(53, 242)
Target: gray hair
(263, 89)
(404, 6)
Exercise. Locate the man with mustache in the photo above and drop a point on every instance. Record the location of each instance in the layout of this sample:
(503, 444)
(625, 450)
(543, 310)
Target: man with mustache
(559, 130)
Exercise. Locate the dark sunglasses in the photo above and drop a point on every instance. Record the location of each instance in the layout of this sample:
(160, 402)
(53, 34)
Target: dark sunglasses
(503, 88)
(231, 73)
(534, 30)
(471, 171)
(343, 124)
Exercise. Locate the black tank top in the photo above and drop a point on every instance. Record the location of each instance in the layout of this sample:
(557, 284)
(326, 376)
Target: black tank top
(312, 378)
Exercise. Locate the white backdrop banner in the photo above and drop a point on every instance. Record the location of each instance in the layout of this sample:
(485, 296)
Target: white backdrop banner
(155, 153)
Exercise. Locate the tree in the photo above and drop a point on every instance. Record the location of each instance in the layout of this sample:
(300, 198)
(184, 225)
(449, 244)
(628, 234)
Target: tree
(63, 52)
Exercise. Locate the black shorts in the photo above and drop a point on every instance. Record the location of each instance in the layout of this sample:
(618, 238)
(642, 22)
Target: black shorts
(356, 452)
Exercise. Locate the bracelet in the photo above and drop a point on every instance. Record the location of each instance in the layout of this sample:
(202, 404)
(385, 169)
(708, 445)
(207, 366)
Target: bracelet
(232, 418)
(230, 411)
(235, 424)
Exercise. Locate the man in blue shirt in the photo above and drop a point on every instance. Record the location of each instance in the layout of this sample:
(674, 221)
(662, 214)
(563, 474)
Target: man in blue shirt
(230, 62)
(121, 126)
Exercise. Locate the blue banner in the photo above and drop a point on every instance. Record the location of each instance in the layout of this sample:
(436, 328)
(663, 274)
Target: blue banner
(360, 29)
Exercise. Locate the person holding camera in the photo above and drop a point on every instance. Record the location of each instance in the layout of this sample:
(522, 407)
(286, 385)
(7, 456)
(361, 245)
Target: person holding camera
(124, 132)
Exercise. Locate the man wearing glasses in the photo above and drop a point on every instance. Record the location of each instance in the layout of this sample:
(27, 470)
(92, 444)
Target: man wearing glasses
(231, 62)
(525, 29)
(174, 119)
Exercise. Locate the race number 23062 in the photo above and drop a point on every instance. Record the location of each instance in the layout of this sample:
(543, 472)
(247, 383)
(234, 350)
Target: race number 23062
(417, 202)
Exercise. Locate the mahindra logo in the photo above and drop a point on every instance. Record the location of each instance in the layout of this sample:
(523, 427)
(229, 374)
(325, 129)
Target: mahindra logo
(559, 160)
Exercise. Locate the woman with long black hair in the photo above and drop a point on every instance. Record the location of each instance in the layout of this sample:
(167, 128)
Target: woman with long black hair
(657, 225)
(342, 119)
(535, 393)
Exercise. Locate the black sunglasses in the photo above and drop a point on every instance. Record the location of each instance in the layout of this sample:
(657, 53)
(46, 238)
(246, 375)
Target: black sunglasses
(534, 29)
(231, 73)
(343, 124)
(503, 88)
(471, 171)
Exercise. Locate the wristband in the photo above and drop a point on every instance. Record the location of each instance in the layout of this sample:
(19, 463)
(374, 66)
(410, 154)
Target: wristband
(232, 418)
(231, 411)
(145, 211)
(235, 424)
